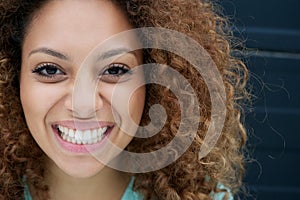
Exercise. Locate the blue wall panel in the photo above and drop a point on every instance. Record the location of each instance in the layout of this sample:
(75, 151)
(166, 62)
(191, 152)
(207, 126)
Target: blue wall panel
(271, 30)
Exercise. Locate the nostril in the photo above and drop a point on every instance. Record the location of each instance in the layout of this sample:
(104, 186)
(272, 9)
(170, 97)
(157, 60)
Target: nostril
(83, 99)
(86, 114)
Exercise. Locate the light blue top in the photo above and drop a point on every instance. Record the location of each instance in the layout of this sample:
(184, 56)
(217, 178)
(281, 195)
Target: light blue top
(129, 194)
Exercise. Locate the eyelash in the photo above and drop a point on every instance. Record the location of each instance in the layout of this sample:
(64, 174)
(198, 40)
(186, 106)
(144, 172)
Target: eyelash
(42, 70)
(109, 74)
(116, 67)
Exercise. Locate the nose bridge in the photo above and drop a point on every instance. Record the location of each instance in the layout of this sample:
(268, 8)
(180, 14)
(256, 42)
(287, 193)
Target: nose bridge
(85, 100)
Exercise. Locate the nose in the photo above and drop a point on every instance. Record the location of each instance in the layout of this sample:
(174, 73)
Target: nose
(84, 99)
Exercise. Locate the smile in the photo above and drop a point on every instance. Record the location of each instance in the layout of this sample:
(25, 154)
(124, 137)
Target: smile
(90, 136)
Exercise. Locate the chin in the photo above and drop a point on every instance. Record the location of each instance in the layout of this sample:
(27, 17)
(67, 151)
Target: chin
(81, 169)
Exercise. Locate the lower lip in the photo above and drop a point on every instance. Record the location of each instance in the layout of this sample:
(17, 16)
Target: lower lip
(80, 148)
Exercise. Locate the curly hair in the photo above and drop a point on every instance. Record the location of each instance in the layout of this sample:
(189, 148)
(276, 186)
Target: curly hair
(187, 177)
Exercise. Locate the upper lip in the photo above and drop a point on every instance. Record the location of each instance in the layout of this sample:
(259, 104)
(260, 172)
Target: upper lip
(80, 125)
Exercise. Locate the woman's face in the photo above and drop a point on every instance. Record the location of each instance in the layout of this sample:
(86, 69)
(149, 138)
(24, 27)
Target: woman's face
(73, 103)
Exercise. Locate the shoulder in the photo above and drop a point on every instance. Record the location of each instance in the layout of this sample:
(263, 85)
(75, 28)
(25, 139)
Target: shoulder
(129, 194)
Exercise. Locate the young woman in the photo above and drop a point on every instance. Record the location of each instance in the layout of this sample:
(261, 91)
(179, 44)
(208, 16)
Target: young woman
(63, 106)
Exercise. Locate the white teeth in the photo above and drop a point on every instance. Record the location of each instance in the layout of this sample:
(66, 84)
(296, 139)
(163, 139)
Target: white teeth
(78, 135)
(82, 137)
(87, 136)
(64, 137)
(65, 130)
(61, 129)
(101, 132)
(71, 132)
(104, 129)
(94, 133)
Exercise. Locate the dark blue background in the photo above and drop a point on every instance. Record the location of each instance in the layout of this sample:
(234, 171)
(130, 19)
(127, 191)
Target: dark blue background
(271, 31)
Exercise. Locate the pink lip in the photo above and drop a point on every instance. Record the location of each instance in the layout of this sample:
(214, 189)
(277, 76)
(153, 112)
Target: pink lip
(80, 148)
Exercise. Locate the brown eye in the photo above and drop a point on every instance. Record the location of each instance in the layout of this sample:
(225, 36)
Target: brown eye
(49, 72)
(114, 72)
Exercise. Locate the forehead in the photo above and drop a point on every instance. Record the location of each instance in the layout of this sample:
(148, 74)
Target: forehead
(75, 24)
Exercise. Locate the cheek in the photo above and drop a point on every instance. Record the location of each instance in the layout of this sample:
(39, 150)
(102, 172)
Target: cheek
(127, 104)
(37, 99)
(136, 104)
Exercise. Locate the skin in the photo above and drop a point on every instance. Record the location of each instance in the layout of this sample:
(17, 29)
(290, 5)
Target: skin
(80, 90)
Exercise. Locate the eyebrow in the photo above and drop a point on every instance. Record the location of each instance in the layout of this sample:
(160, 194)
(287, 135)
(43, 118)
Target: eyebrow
(50, 52)
(105, 55)
(115, 52)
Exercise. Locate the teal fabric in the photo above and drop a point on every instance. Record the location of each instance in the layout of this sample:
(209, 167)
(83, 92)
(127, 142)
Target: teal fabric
(129, 194)
(221, 195)
(27, 195)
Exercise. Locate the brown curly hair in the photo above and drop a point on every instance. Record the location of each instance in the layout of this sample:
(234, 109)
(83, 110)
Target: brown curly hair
(187, 177)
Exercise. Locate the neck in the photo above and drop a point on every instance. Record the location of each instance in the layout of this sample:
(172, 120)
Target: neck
(107, 184)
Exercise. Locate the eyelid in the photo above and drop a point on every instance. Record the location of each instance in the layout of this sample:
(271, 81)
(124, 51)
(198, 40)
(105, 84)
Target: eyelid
(114, 78)
(41, 65)
(112, 65)
(42, 75)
